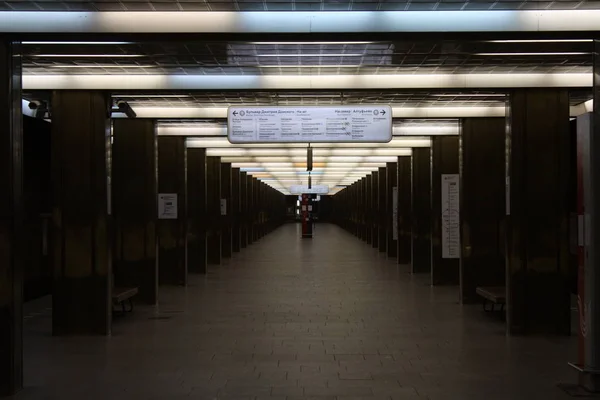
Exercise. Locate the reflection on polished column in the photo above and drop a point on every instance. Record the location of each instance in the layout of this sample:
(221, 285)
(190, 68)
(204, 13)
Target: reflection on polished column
(81, 248)
(227, 209)
(404, 210)
(421, 210)
(235, 210)
(482, 205)
(368, 209)
(213, 204)
(375, 209)
(197, 210)
(172, 232)
(243, 209)
(382, 209)
(538, 161)
(391, 183)
(134, 193)
(11, 214)
(445, 246)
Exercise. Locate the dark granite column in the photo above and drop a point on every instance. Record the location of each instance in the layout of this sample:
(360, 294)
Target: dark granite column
(134, 193)
(213, 204)
(197, 210)
(256, 206)
(404, 209)
(421, 210)
(81, 248)
(444, 161)
(382, 209)
(226, 220)
(588, 294)
(244, 209)
(391, 183)
(482, 205)
(172, 232)
(235, 210)
(11, 217)
(368, 209)
(375, 209)
(363, 209)
(537, 161)
(250, 208)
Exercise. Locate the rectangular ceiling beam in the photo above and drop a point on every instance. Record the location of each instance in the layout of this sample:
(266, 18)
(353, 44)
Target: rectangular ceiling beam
(301, 22)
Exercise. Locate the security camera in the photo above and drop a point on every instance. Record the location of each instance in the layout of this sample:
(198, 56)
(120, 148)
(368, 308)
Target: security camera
(39, 108)
(126, 109)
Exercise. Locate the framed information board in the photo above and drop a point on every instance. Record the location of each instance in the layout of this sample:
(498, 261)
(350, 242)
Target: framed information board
(310, 124)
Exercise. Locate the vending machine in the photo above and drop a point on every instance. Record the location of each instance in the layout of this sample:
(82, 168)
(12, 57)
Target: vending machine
(306, 215)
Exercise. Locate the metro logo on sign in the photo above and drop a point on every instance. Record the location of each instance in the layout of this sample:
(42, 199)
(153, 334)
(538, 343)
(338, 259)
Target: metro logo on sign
(366, 124)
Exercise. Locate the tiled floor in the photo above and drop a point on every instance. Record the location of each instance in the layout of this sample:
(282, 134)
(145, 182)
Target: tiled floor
(289, 318)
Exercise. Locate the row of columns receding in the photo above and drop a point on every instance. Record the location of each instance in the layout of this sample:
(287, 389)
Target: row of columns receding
(511, 226)
(105, 228)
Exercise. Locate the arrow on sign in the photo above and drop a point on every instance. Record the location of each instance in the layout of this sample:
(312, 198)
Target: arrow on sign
(235, 113)
(382, 112)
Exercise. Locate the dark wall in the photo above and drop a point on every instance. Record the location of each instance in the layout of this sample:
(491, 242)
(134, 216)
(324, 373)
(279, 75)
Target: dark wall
(37, 187)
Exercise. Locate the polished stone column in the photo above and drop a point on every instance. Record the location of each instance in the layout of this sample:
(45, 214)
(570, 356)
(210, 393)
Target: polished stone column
(236, 210)
(482, 205)
(244, 209)
(256, 207)
(197, 210)
(368, 209)
(172, 232)
(213, 204)
(391, 183)
(421, 210)
(226, 220)
(81, 248)
(588, 295)
(375, 209)
(11, 217)
(444, 160)
(250, 208)
(134, 194)
(537, 183)
(382, 209)
(363, 209)
(404, 183)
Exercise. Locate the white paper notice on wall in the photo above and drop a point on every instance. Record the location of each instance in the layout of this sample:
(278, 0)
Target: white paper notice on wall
(223, 206)
(167, 206)
(450, 216)
(309, 208)
(395, 213)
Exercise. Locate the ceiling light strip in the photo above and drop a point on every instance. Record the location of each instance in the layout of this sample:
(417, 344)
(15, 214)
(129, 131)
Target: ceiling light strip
(355, 22)
(298, 82)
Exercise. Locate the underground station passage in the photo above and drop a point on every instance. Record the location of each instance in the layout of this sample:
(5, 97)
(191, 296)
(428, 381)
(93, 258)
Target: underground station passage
(299, 200)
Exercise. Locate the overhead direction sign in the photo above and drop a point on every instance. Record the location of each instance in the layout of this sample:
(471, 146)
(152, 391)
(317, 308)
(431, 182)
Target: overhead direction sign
(303, 189)
(309, 124)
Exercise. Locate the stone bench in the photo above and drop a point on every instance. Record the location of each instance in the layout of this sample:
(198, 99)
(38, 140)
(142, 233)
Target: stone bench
(492, 295)
(121, 296)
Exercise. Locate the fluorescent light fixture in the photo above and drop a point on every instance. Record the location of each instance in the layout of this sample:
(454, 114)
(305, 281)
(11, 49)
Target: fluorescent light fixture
(103, 66)
(308, 43)
(316, 66)
(151, 95)
(542, 41)
(118, 82)
(88, 55)
(562, 53)
(418, 129)
(75, 43)
(469, 95)
(306, 55)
